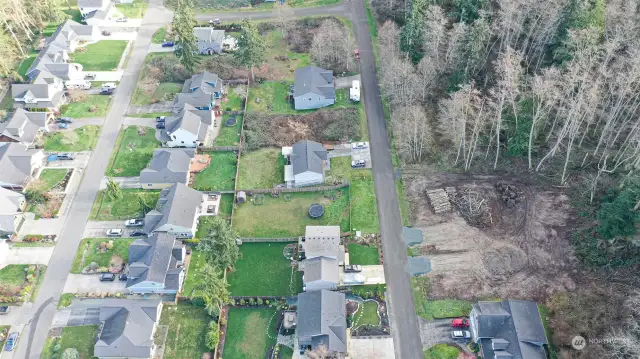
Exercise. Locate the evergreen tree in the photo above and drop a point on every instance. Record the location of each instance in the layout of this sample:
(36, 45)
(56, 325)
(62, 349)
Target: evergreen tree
(212, 290)
(251, 46)
(219, 245)
(113, 189)
(184, 20)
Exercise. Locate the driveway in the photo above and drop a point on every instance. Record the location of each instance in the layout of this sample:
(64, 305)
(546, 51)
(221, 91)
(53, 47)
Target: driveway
(139, 121)
(76, 317)
(80, 122)
(125, 182)
(120, 35)
(159, 48)
(27, 255)
(438, 331)
(131, 23)
(97, 229)
(105, 75)
(362, 154)
(90, 283)
(164, 106)
(80, 161)
(378, 348)
(345, 82)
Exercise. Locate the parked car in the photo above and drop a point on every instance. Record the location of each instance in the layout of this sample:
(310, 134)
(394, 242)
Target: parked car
(359, 145)
(122, 277)
(12, 340)
(4, 309)
(77, 84)
(115, 232)
(460, 323)
(106, 91)
(352, 268)
(64, 120)
(160, 118)
(109, 86)
(63, 126)
(89, 76)
(106, 33)
(107, 277)
(160, 125)
(215, 22)
(358, 164)
(122, 19)
(65, 156)
(134, 222)
(460, 334)
(167, 44)
(137, 234)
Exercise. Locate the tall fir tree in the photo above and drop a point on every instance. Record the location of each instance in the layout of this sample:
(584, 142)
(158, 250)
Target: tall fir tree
(184, 20)
(251, 46)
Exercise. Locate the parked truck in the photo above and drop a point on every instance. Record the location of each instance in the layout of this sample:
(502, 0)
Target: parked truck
(77, 84)
(135, 222)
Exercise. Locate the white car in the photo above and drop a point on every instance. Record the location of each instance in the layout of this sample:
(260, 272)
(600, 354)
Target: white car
(359, 145)
(115, 232)
(460, 334)
(109, 86)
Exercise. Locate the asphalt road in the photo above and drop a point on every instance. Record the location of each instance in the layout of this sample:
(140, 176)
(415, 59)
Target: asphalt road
(41, 316)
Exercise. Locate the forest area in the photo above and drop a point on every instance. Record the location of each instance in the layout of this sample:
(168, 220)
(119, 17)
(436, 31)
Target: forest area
(547, 90)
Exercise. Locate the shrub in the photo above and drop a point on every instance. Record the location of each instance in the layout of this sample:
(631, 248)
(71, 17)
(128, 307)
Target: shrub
(259, 301)
(70, 353)
(110, 245)
(267, 302)
(213, 335)
(103, 245)
(57, 347)
(243, 302)
(252, 301)
(169, 68)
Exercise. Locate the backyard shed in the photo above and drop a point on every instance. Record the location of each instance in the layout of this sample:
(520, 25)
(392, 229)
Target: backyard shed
(241, 197)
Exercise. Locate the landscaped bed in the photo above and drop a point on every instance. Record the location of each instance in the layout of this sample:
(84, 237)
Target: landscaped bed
(104, 252)
(230, 135)
(219, 175)
(106, 209)
(367, 314)
(51, 177)
(250, 333)
(188, 325)
(19, 282)
(133, 151)
(81, 338)
(81, 139)
(263, 168)
(363, 255)
(93, 106)
(263, 270)
(441, 351)
(287, 215)
(103, 55)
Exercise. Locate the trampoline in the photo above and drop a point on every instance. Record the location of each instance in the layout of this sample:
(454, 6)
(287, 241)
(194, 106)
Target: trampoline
(316, 211)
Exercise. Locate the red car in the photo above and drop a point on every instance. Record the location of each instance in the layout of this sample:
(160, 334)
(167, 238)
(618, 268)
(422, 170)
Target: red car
(460, 323)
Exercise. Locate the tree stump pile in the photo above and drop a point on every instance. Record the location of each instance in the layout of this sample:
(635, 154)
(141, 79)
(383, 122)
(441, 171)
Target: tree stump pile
(439, 200)
(509, 194)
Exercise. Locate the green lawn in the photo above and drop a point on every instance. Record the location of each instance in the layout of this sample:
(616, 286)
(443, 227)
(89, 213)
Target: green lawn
(233, 100)
(26, 63)
(187, 325)
(193, 274)
(93, 253)
(94, 106)
(272, 96)
(263, 168)
(36, 287)
(51, 177)
(277, 46)
(32, 244)
(132, 152)
(103, 55)
(65, 300)
(263, 270)
(220, 175)
(134, 10)
(13, 275)
(81, 338)
(367, 314)
(7, 103)
(106, 209)
(229, 136)
(441, 351)
(286, 352)
(265, 6)
(439, 308)
(278, 217)
(205, 222)
(159, 36)
(250, 332)
(363, 255)
(85, 139)
(164, 88)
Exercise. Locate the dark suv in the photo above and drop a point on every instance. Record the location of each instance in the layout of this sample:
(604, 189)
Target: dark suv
(107, 277)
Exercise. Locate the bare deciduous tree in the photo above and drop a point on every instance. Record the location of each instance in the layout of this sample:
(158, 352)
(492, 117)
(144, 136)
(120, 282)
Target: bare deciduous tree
(333, 47)
(412, 131)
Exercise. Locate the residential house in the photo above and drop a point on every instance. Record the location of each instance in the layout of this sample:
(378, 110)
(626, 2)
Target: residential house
(100, 17)
(176, 213)
(200, 91)
(508, 329)
(167, 166)
(209, 40)
(323, 255)
(17, 165)
(46, 92)
(155, 265)
(307, 161)
(313, 88)
(126, 326)
(11, 216)
(190, 127)
(322, 320)
(25, 127)
(89, 6)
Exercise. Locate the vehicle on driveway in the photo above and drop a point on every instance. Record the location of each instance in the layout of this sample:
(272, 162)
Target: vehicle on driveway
(65, 156)
(64, 120)
(160, 125)
(117, 232)
(63, 126)
(352, 268)
(122, 277)
(4, 309)
(107, 277)
(358, 164)
(106, 91)
(167, 44)
(109, 85)
(215, 22)
(460, 334)
(160, 118)
(90, 76)
(12, 341)
(137, 234)
(359, 145)
(77, 84)
(134, 222)
(460, 323)
(106, 33)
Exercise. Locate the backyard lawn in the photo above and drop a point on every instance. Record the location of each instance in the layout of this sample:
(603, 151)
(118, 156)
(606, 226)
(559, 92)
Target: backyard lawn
(95, 254)
(441, 351)
(133, 151)
(164, 88)
(220, 175)
(193, 274)
(106, 209)
(52, 176)
(134, 10)
(250, 332)
(26, 63)
(367, 314)
(263, 168)
(103, 55)
(81, 139)
(229, 135)
(363, 255)
(279, 217)
(234, 97)
(262, 270)
(93, 106)
(277, 46)
(81, 338)
(13, 275)
(439, 308)
(205, 222)
(187, 325)
(272, 96)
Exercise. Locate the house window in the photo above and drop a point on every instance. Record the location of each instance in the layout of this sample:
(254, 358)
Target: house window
(181, 141)
(174, 137)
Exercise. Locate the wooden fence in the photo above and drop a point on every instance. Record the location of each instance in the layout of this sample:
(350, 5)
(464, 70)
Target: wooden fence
(293, 190)
(269, 240)
(235, 183)
(218, 149)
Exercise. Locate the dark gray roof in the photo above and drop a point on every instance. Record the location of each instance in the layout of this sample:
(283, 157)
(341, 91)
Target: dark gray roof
(322, 320)
(15, 163)
(209, 34)
(127, 325)
(195, 99)
(91, 3)
(511, 327)
(178, 206)
(23, 126)
(312, 79)
(411, 236)
(150, 259)
(321, 269)
(168, 166)
(307, 156)
(10, 201)
(203, 83)
(192, 120)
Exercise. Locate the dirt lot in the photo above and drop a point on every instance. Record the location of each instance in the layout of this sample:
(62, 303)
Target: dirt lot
(517, 249)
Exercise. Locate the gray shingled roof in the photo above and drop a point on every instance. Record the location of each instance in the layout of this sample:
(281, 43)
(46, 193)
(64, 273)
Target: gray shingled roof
(195, 99)
(23, 126)
(321, 317)
(7, 223)
(128, 325)
(312, 79)
(322, 241)
(321, 268)
(150, 259)
(168, 166)
(91, 3)
(307, 156)
(203, 83)
(517, 326)
(100, 14)
(15, 163)
(10, 201)
(191, 120)
(209, 34)
(178, 206)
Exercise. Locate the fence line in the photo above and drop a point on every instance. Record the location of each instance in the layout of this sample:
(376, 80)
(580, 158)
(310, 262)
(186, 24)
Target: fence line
(235, 182)
(267, 240)
(292, 190)
(218, 149)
